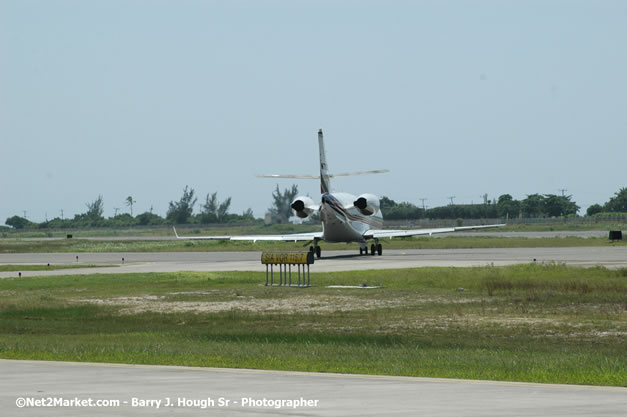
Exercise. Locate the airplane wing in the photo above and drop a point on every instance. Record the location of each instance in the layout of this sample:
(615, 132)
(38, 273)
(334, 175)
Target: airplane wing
(293, 237)
(387, 233)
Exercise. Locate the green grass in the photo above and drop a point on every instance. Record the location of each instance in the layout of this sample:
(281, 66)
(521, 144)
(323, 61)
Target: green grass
(537, 323)
(564, 226)
(165, 230)
(450, 242)
(260, 228)
(7, 268)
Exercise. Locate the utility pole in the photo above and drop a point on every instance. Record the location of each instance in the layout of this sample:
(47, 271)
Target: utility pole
(62, 215)
(25, 214)
(451, 198)
(563, 190)
(116, 211)
(423, 203)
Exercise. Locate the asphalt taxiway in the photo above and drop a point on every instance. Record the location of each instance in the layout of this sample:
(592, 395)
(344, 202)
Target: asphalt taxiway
(133, 390)
(608, 256)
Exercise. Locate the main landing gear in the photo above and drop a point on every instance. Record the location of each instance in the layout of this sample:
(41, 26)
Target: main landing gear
(375, 248)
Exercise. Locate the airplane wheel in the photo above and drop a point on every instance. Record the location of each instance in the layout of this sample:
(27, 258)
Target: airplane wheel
(311, 249)
(373, 250)
(380, 249)
(318, 252)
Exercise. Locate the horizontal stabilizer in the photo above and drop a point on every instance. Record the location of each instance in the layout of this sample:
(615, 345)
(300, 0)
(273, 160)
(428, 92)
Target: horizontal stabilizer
(317, 177)
(350, 174)
(304, 177)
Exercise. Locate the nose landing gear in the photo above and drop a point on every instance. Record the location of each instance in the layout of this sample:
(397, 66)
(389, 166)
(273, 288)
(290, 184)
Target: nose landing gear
(316, 249)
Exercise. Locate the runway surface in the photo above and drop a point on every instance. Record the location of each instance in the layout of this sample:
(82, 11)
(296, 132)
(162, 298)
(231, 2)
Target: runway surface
(190, 389)
(609, 256)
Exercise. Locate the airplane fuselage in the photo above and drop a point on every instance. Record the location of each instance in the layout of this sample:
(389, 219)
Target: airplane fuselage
(342, 221)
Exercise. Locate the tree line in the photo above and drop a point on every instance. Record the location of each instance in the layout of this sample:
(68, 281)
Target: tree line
(214, 211)
(533, 206)
(179, 212)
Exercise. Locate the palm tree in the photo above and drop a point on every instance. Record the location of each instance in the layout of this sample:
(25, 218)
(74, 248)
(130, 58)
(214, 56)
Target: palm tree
(130, 202)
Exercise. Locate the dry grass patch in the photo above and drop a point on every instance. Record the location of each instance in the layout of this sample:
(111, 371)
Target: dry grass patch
(289, 305)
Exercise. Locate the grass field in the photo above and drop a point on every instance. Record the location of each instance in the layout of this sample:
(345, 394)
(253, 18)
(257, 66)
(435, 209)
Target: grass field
(6, 268)
(540, 323)
(164, 230)
(563, 226)
(450, 242)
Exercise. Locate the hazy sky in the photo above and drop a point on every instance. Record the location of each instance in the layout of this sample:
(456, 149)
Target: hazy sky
(456, 98)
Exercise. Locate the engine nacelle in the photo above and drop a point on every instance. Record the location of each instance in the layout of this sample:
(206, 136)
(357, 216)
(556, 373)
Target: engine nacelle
(367, 204)
(303, 206)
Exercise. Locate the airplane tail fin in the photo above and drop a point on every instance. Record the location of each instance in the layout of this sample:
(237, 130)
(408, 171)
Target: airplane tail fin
(325, 184)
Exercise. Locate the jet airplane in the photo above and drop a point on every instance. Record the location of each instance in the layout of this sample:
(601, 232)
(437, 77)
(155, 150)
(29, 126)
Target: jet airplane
(345, 217)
